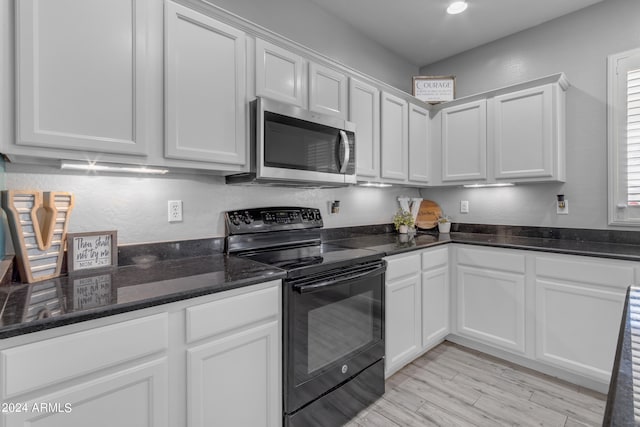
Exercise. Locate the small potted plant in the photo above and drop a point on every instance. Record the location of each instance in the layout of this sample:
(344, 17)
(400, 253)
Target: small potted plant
(444, 224)
(402, 221)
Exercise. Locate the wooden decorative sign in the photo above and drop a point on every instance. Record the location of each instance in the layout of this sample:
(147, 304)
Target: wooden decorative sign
(87, 251)
(434, 89)
(38, 224)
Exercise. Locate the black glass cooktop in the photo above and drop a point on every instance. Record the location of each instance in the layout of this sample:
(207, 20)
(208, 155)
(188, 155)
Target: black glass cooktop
(308, 259)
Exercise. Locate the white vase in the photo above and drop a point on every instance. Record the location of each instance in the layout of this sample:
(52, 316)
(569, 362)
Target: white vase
(444, 227)
(403, 229)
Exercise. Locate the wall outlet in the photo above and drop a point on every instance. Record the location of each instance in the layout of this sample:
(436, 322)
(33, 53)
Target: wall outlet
(464, 206)
(564, 210)
(175, 210)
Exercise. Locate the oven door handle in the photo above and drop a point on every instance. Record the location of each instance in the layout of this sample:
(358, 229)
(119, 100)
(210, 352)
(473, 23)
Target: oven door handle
(336, 281)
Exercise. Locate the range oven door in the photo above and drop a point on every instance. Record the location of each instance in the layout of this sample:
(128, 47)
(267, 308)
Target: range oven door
(334, 329)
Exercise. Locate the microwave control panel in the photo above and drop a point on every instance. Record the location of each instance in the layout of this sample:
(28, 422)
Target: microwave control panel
(272, 219)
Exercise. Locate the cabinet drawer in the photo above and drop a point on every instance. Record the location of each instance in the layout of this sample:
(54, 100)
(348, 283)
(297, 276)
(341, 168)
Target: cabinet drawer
(229, 313)
(493, 259)
(402, 265)
(51, 361)
(586, 270)
(435, 258)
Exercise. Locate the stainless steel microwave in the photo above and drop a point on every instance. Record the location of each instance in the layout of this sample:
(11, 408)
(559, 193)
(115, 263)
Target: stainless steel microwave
(291, 146)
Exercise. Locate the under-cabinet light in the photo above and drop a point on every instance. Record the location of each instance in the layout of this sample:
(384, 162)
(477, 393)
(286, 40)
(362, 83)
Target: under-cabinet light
(457, 7)
(374, 184)
(92, 166)
(499, 184)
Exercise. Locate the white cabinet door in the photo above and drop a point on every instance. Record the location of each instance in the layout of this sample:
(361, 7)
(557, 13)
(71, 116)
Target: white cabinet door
(402, 326)
(402, 311)
(394, 137)
(491, 307)
(205, 88)
(364, 111)
(133, 397)
(327, 91)
(419, 144)
(280, 74)
(82, 80)
(579, 304)
(435, 296)
(464, 142)
(235, 380)
(523, 133)
(490, 293)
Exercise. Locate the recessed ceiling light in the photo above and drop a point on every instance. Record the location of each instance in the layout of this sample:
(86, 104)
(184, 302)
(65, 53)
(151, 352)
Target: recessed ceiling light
(457, 7)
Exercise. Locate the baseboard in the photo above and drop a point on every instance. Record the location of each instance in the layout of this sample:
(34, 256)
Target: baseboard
(552, 371)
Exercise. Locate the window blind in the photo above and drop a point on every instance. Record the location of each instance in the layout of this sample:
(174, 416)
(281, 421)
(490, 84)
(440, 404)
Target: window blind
(633, 137)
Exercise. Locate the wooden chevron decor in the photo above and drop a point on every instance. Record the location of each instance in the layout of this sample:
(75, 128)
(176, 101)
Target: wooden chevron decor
(38, 225)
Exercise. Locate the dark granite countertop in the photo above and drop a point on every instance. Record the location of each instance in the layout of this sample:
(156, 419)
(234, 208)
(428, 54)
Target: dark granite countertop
(69, 299)
(621, 405)
(161, 273)
(393, 243)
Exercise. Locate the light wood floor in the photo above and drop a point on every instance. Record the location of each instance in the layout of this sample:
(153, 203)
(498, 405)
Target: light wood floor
(455, 386)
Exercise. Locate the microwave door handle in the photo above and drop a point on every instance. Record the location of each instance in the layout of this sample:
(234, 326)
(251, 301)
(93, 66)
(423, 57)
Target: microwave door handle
(346, 151)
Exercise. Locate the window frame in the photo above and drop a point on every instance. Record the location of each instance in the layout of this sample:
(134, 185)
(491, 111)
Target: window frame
(619, 213)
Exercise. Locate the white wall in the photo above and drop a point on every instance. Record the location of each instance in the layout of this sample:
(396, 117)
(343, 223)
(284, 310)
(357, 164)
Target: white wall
(306, 23)
(137, 206)
(577, 44)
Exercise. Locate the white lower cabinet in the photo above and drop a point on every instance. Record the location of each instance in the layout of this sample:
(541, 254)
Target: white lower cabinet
(417, 305)
(184, 363)
(435, 296)
(490, 291)
(402, 311)
(137, 396)
(233, 378)
(579, 304)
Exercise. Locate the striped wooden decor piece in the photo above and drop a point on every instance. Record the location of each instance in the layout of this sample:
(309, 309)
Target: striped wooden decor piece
(38, 224)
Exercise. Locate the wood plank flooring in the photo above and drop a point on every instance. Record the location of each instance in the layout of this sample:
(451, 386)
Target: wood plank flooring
(455, 386)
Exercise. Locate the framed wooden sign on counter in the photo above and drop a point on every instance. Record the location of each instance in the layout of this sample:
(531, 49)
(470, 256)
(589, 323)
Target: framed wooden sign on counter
(92, 250)
(434, 89)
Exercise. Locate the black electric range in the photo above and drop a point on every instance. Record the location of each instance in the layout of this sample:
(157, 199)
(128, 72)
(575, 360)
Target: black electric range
(333, 313)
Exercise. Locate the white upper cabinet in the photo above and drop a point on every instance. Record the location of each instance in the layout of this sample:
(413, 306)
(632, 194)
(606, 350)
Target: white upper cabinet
(364, 111)
(280, 74)
(527, 131)
(419, 141)
(327, 91)
(464, 142)
(204, 88)
(511, 134)
(394, 137)
(82, 75)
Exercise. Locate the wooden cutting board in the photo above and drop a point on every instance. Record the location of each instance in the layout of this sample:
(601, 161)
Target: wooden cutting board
(428, 214)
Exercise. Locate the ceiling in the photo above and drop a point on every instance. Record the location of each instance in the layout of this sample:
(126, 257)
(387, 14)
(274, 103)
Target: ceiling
(422, 32)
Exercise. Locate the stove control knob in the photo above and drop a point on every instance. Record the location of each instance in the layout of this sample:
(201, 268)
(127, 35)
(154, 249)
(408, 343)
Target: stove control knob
(318, 217)
(234, 219)
(248, 219)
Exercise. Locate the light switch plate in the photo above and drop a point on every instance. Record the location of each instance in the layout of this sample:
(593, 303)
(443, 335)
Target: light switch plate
(464, 206)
